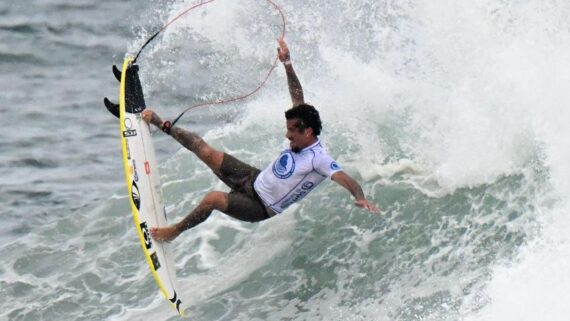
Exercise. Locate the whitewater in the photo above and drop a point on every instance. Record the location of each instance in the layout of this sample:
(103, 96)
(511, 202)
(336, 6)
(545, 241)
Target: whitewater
(452, 116)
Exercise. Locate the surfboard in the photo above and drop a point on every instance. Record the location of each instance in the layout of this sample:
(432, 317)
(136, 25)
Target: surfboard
(143, 180)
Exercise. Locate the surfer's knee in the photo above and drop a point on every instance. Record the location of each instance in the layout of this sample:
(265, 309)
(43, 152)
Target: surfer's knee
(210, 156)
(213, 158)
(216, 200)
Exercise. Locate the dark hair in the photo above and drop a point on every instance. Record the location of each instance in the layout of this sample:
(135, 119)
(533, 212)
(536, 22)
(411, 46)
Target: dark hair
(308, 116)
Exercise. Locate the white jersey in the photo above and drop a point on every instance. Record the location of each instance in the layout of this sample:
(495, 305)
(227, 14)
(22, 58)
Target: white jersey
(293, 175)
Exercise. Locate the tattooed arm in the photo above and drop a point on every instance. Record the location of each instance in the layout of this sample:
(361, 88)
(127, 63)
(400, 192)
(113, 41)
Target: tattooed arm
(295, 88)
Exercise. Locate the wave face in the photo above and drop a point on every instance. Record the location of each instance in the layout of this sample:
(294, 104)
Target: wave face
(453, 118)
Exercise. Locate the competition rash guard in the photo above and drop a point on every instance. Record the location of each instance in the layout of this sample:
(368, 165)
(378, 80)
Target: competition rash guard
(293, 175)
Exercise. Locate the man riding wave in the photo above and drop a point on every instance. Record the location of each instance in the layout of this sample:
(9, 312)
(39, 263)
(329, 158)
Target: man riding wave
(257, 195)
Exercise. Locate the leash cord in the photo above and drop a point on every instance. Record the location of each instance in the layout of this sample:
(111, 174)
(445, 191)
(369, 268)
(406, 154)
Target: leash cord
(222, 101)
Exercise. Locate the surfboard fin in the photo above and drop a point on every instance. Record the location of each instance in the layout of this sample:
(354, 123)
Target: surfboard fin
(111, 107)
(134, 97)
(117, 73)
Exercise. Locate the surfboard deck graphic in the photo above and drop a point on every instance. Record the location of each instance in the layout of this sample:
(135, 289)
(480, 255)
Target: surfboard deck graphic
(143, 179)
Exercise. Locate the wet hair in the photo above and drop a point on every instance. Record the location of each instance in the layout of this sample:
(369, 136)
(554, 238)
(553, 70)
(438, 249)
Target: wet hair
(308, 117)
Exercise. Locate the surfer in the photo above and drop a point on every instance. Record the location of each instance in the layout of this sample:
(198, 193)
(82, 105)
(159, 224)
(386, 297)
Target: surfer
(258, 195)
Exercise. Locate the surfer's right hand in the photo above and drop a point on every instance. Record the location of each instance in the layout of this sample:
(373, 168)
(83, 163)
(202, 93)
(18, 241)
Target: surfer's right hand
(283, 51)
(149, 116)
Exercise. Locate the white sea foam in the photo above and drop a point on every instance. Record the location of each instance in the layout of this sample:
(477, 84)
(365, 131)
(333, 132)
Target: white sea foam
(472, 93)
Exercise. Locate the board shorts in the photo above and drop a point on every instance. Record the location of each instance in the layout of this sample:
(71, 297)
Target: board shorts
(243, 202)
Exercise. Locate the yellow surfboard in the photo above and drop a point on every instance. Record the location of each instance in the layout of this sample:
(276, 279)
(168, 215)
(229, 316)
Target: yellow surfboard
(143, 180)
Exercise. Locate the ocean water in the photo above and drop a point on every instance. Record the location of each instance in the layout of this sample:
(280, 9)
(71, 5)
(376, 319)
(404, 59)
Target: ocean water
(453, 116)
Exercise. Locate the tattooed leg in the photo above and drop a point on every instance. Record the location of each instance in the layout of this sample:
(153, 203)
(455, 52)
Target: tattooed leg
(212, 201)
(210, 156)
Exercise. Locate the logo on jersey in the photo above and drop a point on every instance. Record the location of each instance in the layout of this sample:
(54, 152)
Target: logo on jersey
(307, 185)
(298, 194)
(285, 166)
(335, 166)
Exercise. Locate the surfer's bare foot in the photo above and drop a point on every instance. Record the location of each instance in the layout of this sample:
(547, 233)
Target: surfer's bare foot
(164, 234)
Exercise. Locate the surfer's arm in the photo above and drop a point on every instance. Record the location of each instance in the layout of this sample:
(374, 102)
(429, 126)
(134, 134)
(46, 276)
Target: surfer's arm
(355, 189)
(295, 89)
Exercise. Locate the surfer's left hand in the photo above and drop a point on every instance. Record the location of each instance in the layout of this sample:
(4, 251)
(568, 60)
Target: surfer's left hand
(363, 203)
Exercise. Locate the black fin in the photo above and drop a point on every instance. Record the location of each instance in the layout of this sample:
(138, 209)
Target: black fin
(111, 107)
(117, 73)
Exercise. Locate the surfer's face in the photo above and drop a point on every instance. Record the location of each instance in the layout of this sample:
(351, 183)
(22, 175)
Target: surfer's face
(298, 137)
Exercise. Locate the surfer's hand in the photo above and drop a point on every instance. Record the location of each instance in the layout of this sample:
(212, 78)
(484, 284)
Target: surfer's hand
(283, 51)
(164, 234)
(149, 116)
(363, 203)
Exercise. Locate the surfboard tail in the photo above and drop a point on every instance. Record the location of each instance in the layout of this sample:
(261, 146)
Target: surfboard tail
(134, 96)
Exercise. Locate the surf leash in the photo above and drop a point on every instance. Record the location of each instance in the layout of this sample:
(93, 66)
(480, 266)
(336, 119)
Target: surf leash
(221, 101)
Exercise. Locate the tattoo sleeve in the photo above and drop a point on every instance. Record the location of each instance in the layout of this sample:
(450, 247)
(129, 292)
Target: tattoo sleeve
(187, 139)
(295, 89)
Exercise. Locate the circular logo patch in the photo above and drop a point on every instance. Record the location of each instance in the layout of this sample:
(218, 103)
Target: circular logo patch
(284, 166)
(335, 166)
